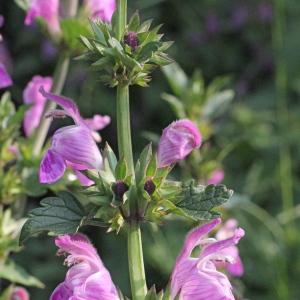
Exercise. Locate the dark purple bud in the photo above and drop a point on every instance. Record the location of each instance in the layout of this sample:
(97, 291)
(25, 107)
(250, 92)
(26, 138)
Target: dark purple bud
(120, 188)
(131, 40)
(149, 187)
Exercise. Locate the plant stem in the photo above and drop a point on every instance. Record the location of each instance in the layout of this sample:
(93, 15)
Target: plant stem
(136, 262)
(285, 163)
(59, 78)
(134, 239)
(122, 18)
(123, 123)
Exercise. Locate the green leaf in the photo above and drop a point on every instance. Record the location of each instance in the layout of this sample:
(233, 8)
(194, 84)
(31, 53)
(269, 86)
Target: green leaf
(176, 105)
(147, 51)
(151, 294)
(134, 22)
(144, 161)
(198, 201)
(121, 169)
(176, 77)
(152, 166)
(72, 29)
(16, 274)
(57, 215)
(110, 156)
(98, 33)
(217, 104)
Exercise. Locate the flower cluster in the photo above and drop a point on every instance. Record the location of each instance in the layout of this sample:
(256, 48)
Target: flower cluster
(192, 277)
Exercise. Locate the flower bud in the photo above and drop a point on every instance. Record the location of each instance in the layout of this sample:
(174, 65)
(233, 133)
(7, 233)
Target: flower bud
(149, 186)
(19, 293)
(120, 188)
(131, 40)
(177, 141)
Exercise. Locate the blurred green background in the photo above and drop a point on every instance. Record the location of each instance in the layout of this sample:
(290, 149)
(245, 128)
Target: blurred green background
(233, 38)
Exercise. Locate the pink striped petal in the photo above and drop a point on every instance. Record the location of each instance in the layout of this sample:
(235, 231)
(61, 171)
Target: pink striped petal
(52, 167)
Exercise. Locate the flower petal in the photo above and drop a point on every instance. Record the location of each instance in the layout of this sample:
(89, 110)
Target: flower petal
(177, 141)
(52, 167)
(76, 145)
(220, 245)
(32, 96)
(206, 284)
(184, 263)
(67, 104)
(62, 292)
(5, 79)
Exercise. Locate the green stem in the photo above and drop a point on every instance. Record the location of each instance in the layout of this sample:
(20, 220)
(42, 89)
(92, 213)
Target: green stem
(59, 78)
(123, 123)
(122, 18)
(134, 239)
(285, 162)
(136, 262)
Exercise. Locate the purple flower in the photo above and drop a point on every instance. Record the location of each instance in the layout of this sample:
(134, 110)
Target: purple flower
(19, 293)
(197, 277)
(177, 141)
(31, 95)
(96, 123)
(235, 268)
(5, 79)
(87, 277)
(100, 9)
(216, 177)
(72, 146)
(46, 9)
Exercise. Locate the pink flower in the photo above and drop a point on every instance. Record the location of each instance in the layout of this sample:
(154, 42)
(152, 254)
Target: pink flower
(19, 293)
(98, 122)
(197, 277)
(31, 95)
(100, 9)
(46, 9)
(72, 146)
(87, 277)
(216, 177)
(177, 141)
(5, 79)
(235, 268)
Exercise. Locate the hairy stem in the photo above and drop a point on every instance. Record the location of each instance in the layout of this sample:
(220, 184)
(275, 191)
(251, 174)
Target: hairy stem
(59, 78)
(134, 239)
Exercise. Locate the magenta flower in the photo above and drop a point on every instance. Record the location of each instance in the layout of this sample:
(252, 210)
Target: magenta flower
(177, 141)
(5, 79)
(96, 123)
(197, 277)
(46, 9)
(235, 268)
(31, 95)
(87, 278)
(19, 293)
(100, 9)
(72, 146)
(216, 177)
